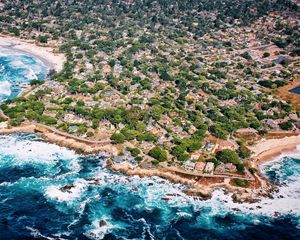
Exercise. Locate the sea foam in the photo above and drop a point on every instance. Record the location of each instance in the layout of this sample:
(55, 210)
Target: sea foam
(56, 192)
(5, 87)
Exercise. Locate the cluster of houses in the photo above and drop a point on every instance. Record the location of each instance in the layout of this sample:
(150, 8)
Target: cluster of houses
(209, 168)
(202, 167)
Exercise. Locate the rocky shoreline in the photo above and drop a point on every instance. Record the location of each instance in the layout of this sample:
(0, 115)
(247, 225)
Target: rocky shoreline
(202, 190)
(198, 187)
(51, 135)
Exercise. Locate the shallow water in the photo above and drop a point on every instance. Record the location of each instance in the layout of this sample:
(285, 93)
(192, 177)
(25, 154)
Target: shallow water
(17, 68)
(35, 206)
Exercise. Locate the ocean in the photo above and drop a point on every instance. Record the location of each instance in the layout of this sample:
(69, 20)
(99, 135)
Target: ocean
(17, 68)
(50, 192)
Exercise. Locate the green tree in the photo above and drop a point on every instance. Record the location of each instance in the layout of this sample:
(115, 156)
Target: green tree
(158, 153)
(228, 156)
(117, 138)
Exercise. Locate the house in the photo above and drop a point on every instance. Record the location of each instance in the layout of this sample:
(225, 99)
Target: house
(72, 128)
(209, 146)
(209, 167)
(271, 124)
(225, 168)
(126, 158)
(189, 165)
(71, 118)
(195, 155)
(282, 59)
(119, 159)
(199, 166)
(225, 144)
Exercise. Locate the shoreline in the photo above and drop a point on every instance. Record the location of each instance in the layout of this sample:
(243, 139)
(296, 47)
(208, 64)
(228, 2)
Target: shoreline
(264, 151)
(47, 55)
(54, 136)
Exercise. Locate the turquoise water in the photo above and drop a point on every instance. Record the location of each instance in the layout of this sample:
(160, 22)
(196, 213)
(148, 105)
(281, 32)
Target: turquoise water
(16, 69)
(49, 192)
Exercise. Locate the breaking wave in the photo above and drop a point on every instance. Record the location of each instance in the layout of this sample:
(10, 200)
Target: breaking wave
(76, 197)
(16, 69)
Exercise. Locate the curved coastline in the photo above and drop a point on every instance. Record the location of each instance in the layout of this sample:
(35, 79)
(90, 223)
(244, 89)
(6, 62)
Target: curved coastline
(268, 149)
(47, 55)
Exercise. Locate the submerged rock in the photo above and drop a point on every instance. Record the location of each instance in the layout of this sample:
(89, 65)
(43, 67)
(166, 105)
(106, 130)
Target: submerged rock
(165, 199)
(67, 188)
(236, 209)
(102, 223)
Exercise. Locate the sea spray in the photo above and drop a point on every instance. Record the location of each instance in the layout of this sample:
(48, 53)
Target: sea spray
(79, 198)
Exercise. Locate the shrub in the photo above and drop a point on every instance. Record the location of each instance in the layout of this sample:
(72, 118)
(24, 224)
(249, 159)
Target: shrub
(89, 134)
(286, 125)
(42, 39)
(36, 82)
(266, 54)
(240, 167)
(148, 137)
(241, 182)
(246, 55)
(134, 151)
(244, 152)
(139, 158)
(48, 120)
(129, 134)
(155, 162)
(252, 170)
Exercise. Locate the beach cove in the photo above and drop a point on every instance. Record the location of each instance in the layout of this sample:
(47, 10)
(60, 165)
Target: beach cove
(52, 59)
(22, 61)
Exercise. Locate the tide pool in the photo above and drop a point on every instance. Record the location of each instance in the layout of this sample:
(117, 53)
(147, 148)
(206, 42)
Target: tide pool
(49, 192)
(16, 69)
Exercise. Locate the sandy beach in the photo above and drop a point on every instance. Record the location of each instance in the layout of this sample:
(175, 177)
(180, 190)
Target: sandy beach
(268, 149)
(47, 55)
